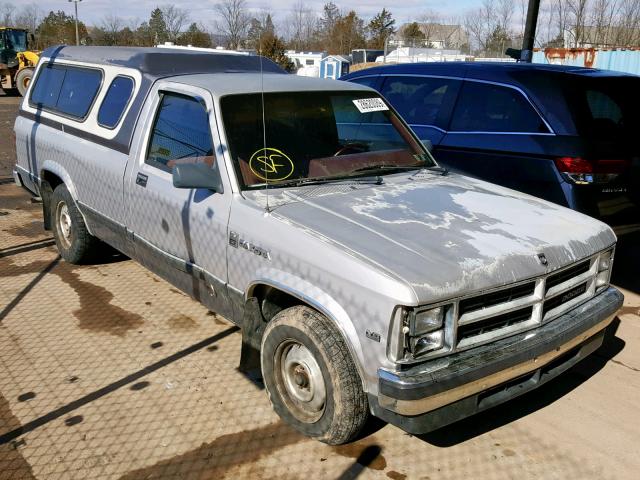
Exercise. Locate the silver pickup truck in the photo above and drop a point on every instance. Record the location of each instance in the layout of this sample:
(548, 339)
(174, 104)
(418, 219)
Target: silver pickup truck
(365, 278)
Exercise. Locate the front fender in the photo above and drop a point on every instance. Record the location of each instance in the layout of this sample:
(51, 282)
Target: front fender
(318, 299)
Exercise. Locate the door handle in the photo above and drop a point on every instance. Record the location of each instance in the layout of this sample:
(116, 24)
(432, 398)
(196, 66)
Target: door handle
(141, 179)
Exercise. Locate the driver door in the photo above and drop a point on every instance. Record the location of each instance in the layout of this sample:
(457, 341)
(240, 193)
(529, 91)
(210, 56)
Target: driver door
(181, 234)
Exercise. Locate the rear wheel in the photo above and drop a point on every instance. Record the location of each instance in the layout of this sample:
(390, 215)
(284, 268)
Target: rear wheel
(23, 79)
(74, 242)
(312, 381)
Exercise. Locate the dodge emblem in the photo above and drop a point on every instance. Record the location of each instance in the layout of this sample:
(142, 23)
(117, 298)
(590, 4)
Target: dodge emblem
(543, 259)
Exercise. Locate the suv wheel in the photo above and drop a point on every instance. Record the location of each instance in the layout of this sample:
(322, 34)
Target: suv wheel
(74, 242)
(312, 381)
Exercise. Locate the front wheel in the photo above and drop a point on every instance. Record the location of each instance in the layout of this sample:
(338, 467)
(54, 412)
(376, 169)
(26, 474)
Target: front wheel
(312, 381)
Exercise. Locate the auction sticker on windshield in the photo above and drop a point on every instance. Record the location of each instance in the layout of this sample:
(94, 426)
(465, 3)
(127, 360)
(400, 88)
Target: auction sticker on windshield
(366, 105)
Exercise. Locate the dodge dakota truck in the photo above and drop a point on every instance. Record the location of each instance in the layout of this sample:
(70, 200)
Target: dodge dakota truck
(366, 279)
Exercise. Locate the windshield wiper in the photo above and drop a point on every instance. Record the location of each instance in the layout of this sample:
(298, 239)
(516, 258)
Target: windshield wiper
(299, 182)
(388, 167)
(433, 168)
(438, 168)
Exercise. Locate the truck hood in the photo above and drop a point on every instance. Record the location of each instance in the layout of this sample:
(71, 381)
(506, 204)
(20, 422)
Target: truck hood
(444, 235)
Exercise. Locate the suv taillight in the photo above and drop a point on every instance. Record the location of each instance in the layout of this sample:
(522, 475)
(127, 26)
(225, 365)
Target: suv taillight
(584, 172)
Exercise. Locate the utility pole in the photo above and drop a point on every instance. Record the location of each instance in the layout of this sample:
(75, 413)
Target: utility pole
(75, 2)
(526, 55)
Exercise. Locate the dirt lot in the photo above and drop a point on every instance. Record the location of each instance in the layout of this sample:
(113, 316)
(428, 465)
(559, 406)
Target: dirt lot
(106, 371)
(8, 108)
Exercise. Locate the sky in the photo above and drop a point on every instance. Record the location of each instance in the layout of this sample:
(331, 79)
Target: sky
(92, 11)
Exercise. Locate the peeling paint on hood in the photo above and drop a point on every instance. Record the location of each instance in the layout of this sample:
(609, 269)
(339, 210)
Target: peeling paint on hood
(445, 236)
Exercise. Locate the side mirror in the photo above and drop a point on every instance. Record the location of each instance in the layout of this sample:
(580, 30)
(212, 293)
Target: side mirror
(32, 41)
(197, 175)
(428, 145)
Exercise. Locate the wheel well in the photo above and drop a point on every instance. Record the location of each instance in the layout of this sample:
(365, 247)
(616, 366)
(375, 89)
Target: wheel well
(272, 300)
(51, 178)
(48, 183)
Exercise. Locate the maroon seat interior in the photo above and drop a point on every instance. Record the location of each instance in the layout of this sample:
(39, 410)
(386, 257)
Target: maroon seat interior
(344, 164)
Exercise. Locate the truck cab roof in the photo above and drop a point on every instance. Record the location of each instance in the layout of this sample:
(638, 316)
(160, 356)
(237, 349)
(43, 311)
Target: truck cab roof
(221, 84)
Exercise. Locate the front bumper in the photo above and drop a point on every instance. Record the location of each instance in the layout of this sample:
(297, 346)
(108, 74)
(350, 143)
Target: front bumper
(434, 394)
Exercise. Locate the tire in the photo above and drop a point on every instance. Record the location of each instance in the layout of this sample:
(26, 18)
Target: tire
(23, 78)
(311, 378)
(74, 242)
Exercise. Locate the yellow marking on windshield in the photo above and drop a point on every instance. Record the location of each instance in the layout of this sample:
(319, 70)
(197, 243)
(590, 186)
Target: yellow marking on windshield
(271, 164)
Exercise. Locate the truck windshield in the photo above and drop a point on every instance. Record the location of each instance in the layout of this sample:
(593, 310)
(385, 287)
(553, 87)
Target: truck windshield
(16, 40)
(316, 135)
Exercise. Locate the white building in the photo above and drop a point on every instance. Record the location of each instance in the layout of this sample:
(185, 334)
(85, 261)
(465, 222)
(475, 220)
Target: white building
(306, 60)
(415, 55)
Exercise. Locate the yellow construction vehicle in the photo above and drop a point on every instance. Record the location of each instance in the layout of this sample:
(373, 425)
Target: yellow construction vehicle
(17, 62)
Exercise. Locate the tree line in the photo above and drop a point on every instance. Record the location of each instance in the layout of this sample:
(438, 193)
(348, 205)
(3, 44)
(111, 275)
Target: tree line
(489, 28)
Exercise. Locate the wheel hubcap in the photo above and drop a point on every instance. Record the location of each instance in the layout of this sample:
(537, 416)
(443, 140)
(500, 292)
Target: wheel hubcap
(300, 381)
(64, 223)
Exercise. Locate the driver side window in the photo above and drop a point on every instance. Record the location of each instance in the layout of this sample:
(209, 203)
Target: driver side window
(180, 134)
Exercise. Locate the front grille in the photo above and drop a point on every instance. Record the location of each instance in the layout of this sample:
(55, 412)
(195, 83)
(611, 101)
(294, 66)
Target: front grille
(565, 297)
(510, 310)
(564, 275)
(495, 323)
(495, 298)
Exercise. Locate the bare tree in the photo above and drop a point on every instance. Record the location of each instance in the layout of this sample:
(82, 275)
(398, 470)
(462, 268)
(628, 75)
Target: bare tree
(111, 26)
(603, 20)
(628, 31)
(577, 11)
(29, 17)
(546, 32)
(6, 13)
(301, 24)
(233, 21)
(480, 23)
(176, 20)
(490, 26)
(504, 10)
(522, 7)
(430, 26)
(561, 19)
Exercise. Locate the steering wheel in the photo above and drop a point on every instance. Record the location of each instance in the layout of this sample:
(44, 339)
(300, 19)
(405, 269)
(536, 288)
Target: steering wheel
(350, 147)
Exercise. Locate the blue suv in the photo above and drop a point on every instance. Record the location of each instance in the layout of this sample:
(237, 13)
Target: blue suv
(565, 134)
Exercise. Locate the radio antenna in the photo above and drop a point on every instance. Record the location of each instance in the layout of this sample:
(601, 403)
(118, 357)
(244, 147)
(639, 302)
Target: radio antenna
(264, 124)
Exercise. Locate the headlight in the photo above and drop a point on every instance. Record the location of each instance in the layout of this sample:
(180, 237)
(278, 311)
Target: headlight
(605, 262)
(426, 321)
(426, 343)
(424, 329)
(602, 280)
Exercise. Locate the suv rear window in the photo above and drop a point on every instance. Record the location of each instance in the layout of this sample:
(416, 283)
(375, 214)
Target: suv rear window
(115, 101)
(485, 107)
(67, 90)
(606, 106)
